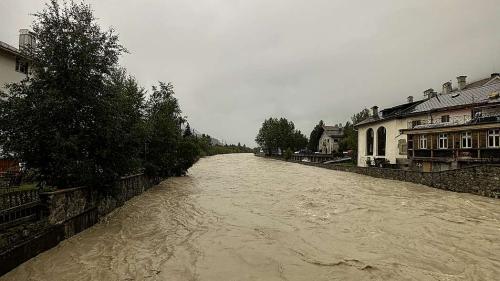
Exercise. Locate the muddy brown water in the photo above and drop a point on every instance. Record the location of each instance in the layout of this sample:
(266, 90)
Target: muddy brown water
(240, 217)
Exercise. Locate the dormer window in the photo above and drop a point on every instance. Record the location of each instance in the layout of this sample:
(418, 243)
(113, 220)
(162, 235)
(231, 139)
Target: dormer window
(445, 118)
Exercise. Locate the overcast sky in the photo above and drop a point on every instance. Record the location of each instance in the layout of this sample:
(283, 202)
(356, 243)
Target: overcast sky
(235, 63)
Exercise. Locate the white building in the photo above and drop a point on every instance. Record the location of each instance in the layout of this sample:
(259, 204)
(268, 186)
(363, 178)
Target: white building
(14, 66)
(330, 139)
(380, 137)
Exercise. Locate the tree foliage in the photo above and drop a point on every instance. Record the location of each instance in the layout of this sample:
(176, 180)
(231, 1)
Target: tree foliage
(280, 134)
(64, 118)
(315, 136)
(350, 140)
(80, 119)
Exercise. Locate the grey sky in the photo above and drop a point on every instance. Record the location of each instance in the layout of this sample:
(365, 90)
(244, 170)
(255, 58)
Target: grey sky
(234, 63)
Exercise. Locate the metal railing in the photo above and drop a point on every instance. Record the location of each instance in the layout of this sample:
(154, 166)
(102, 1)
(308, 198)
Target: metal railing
(18, 206)
(453, 120)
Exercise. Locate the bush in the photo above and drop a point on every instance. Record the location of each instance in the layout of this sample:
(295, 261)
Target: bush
(288, 154)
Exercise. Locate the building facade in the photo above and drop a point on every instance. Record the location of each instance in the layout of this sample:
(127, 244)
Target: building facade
(465, 131)
(14, 66)
(329, 141)
(388, 137)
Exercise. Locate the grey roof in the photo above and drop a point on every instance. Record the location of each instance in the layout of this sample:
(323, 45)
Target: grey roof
(389, 113)
(477, 95)
(10, 49)
(333, 131)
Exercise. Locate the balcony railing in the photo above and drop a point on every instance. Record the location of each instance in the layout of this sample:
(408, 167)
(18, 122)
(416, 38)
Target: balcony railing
(433, 123)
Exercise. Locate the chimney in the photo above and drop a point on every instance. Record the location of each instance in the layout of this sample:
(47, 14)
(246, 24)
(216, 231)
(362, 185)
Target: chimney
(446, 88)
(493, 75)
(429, 93)
(461, 82)
(375, 111)
(410, 99)
(26, 40)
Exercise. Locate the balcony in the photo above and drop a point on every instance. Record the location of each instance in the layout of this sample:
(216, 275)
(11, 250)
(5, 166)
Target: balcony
(436, 123)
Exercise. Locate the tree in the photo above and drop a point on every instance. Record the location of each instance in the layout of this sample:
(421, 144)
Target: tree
(350, 140)
(187, 131)
(164, 121)
(62, 120)
(279, 133)
(315, 136)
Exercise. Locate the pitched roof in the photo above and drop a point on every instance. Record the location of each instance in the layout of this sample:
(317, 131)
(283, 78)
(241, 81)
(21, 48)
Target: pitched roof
(388, 113)
(458, 98)
(333, 131)
(474, 93)
(9, 49)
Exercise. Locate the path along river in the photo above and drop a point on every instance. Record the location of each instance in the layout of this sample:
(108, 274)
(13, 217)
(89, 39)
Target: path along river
(241, 217)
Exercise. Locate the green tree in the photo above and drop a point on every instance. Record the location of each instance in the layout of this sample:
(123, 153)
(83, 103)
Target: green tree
(315, 136)
(279, 133)
(350, 141)
(164, 121)
(64, 120)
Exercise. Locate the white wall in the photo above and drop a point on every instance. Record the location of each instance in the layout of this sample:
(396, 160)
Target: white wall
(393, 136)
(8, 73)
(331, 144)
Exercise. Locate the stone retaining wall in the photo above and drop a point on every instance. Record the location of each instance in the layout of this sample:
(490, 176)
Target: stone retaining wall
(482, 180)
(68, 212)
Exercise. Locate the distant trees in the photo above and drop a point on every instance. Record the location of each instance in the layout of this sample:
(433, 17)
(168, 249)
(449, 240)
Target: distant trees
(280, 133)
(315, 136)
(350, 140)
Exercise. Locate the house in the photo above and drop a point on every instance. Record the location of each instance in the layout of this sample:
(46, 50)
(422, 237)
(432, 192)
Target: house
(460, 128)
(330, 139)
(383, 137)
(14, 65)
(379, 137)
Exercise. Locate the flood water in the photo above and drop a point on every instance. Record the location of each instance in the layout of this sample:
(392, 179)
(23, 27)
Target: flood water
(241, 217)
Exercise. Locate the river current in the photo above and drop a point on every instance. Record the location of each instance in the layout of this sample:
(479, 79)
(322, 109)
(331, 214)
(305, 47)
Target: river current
(241, 217)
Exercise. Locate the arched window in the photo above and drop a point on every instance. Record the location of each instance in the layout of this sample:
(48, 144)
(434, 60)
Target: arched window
(381, 141)
(369, 142)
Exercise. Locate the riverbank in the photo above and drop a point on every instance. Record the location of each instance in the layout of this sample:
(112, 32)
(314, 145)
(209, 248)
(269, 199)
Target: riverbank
(63, 213)
(481, 180)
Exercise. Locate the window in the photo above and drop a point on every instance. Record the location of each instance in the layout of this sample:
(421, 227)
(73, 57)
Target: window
(369, 142)
(423, 142)
(494, 138)
(403, 147)
(21, 66)
(443, 141)
(445, 118)
(381, 135)
(466, 140)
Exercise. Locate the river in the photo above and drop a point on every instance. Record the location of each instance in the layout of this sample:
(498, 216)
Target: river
(241, 217)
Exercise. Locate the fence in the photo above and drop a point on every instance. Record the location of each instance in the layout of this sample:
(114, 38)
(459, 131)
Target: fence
(18, 206)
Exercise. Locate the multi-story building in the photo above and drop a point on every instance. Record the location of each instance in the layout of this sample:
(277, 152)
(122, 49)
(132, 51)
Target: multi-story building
(384, 137)
(459, 129)
(14, 65)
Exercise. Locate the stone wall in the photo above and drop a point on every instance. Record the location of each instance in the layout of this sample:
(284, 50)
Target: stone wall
(65, 204)
(66, 213)
(481, 179)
